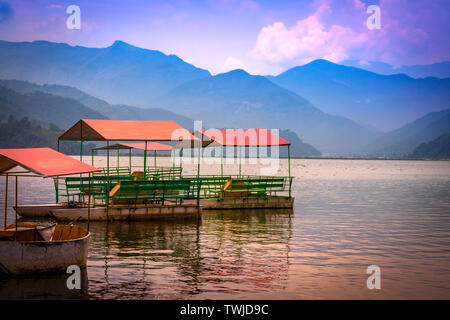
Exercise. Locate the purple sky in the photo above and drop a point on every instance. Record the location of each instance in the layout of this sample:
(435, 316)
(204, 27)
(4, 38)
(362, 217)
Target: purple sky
(260, 36)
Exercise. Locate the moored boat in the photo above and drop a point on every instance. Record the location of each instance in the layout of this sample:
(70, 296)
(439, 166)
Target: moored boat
(26, 248)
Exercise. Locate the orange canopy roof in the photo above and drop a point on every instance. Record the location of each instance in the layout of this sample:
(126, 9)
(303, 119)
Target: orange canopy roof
(92, 129)
(151, 146)
(42, 161)
(244, 137)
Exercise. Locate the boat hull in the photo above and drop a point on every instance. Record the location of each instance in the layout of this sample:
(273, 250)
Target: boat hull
(20, 258)
(239, 203)
(38, 210)
(139, 212)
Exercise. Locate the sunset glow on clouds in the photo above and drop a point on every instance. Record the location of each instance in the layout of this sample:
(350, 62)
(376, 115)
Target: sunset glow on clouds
(307, 40)
(260, 36)
(232, 63)
(408, 35)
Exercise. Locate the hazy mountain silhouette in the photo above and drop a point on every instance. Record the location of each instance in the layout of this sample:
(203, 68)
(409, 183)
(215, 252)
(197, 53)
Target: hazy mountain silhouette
(437, 70)
(117, 112)
(239, 100)
(298, 147)
(316, 101)
(121, 73)
(384, 102)
(44, 108)
(14, 92)
(402, 141)
(438, 148)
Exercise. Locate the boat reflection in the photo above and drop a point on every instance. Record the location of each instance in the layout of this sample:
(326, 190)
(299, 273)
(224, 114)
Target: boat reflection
(43, 286)
(226, 252)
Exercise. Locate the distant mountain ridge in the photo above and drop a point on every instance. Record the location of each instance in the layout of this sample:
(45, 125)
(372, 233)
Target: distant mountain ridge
(438, 148)
(337, 109)
(437, 70)
(26, 133)
(116, 112)
(402, 141)
(121, 73)
(298, 147)
(385, 102)
(43, 107)
(13, 92)
(237, 99)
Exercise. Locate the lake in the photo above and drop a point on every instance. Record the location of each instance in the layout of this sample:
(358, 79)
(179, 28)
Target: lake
(348, 215)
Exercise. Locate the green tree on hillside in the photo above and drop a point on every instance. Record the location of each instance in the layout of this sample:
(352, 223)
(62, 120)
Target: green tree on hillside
(25, 133)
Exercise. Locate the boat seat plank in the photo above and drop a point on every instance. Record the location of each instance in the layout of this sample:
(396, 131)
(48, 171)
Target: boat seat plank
(57, 233)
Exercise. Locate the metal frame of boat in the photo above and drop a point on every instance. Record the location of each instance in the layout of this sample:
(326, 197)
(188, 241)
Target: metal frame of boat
(118, 193)
(242, 191)
(161, 192)
(159, 185)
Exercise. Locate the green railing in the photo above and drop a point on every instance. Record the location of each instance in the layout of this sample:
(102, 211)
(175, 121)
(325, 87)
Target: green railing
(122, 171)
(150, 191)
(214, 187)
(161, 184)
(163, 173)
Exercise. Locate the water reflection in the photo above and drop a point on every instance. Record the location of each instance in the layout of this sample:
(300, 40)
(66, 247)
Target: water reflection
(225, 253)
(245, 252)
(44, 286)
(349, 214)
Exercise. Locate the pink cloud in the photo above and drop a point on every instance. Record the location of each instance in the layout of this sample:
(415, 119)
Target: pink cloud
(232, 63)
(412, 32)
(307, 40)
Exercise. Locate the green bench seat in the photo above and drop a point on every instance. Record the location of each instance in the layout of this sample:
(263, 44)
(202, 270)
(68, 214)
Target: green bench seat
(154, 191)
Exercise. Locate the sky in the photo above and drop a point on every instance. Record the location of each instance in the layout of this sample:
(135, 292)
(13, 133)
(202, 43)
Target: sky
(259, 36)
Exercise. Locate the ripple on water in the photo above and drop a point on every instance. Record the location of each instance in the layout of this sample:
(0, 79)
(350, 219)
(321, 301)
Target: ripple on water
(348, 215)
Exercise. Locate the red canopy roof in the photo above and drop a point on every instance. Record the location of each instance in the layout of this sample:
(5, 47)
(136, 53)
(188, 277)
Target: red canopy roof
(244, 137)
(151, 146)
(91, 129)
(42, 161)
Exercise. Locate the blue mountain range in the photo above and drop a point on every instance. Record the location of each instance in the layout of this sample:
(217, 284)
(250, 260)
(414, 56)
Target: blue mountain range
(340, 110)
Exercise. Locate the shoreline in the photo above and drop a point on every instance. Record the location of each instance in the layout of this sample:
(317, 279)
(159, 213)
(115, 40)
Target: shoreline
(293, 157)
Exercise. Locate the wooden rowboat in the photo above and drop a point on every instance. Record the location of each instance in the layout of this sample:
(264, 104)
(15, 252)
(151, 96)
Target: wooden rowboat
(28, 248)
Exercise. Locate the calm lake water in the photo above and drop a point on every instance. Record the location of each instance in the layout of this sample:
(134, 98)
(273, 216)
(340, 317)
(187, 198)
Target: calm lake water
(348, 214)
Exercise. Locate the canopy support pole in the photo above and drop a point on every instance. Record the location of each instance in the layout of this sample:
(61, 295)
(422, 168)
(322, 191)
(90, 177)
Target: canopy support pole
(145, 160)
(6, 198)
(118, 160)
(81, 140)
(181, 160)
(289, 168)
(81, 157)
(15, 204)
(221, 161)
(129, 155)
(92, 157)
(155, 158)
(198, 172)
(107, 177)
(173, 156)
(240, 158)
(89, 201)
(57, 179)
